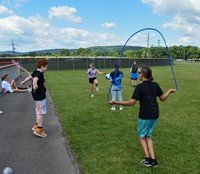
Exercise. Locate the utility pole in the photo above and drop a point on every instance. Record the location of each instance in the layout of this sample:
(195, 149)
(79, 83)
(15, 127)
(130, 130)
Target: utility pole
(158, 42)
(147, 55)
(13, 48)
(148, 41)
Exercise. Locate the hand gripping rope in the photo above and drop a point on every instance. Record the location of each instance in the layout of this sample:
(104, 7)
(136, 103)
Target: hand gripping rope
(168, 53)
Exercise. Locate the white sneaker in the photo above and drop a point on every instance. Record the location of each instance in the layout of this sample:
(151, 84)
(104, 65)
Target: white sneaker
(1, 112)
(97, 88)
(92, 95)
(29, 90)
(112, 109)
(121, 108)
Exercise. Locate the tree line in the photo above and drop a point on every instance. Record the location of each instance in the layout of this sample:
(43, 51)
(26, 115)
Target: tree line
(176, 52)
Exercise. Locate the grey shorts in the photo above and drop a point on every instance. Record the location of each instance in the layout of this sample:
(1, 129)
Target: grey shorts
(40, 107)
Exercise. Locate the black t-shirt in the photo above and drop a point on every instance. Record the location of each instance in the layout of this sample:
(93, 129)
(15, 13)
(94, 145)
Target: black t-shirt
(40, 93)
(134, 68)
(147, 93)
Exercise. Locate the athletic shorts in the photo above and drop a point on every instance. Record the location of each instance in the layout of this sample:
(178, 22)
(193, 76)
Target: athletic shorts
(91, 80)
(40, 107)
(134, 76)
(146, 127)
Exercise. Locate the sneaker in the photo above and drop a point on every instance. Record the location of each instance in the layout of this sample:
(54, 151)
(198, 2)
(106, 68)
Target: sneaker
(113, 109)
(29, 90)
(34, 127)
(39, 132)
(120, 108)
(97, 88)
(146, 162)
(1, 112)
(92, 95)
(154, 163)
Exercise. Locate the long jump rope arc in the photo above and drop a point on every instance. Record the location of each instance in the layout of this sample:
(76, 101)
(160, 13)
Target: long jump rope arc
(168, 53)
(21, 67)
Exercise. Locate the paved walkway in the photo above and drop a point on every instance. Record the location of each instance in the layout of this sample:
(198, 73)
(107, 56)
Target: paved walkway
(26, 153)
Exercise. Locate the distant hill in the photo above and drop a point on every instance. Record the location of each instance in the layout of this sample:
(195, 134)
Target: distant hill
(94, 48)
(6, 53)
(37, 51)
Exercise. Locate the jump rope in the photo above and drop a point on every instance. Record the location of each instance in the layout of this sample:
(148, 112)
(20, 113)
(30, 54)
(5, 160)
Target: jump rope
(21, 67)
(123, 48)
(119, 60)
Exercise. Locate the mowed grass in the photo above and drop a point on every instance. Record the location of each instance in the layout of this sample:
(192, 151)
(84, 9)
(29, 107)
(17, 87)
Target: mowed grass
(106, 142)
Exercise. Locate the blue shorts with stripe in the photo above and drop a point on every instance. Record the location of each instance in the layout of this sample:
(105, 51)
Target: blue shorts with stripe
(146, 127)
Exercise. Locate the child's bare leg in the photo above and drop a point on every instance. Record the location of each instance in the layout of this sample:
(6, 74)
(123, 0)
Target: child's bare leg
(39, 120)
(144, 145)
(13, 84)
(150, 147)
(91, 88)
(20, 90)
(96, 82)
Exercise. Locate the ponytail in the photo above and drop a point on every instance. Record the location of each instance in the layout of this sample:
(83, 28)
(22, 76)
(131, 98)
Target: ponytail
(147, 72)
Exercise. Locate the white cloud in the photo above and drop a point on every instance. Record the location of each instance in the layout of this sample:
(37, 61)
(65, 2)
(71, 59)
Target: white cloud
(4, 10)
(181, 24)
(64, 12)
(169, 7)
(15, 3)
(76, 38)
(185, 17)
(7, 2)
(109, 25)
(185, 40)
(37, 33)
(19, 3)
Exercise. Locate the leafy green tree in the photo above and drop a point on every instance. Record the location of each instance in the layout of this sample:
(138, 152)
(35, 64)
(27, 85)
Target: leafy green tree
(81, 52)
(33, 54)
(88, 52)
(64, 52)
(198, 53)
(128, 53)
(191, 51)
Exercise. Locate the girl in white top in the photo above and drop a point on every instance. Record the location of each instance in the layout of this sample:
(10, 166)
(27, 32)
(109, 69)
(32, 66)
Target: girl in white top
(10, 87)
(91, 72)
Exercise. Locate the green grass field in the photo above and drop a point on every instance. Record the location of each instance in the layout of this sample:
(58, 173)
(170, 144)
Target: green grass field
(106, 142)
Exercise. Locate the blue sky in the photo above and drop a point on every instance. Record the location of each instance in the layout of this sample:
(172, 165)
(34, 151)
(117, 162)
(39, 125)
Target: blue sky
(47, 24)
